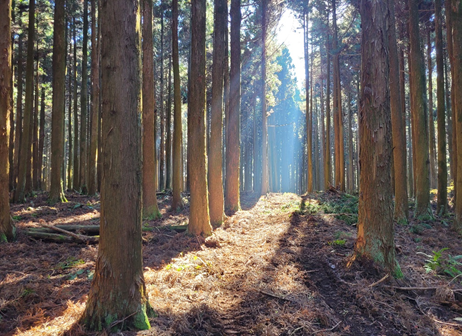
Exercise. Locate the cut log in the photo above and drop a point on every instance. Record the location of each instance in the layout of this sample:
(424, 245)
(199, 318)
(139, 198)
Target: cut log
(49, 236)
(88, 229)
(74, 235)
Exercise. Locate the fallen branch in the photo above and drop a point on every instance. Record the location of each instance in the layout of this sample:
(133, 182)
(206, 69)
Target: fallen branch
(49, 236)
(274, 295)
(331, 329)
(381, 280)
(412, 288)
(74, 235)
(89, 229)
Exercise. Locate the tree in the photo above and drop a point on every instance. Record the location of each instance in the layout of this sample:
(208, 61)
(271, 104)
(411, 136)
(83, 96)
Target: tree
(20, 192)
(456, 65)
(264, 151)
(83, 179)
(397, 121)
(57, 121)
(441, 114)
(150, 208)
(76, 177)
(375, 221)
(118, 291)
(6, 223)
(216, 137)
(199, 220)
(232, 202)
(177, 179)
(419, 112)
(94, 108)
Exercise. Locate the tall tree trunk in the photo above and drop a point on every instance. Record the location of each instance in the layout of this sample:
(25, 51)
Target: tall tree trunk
(397, 120)
(161, 104)
(199, 220)
(19, 110)
(441, 114)
(375, 239)
(419, 112)
(150, 208)
(448, 112)
(216, 136)
(70, 164)
(265, 166)
(351, 183)
(35, 168)
(7, 230)
(83, 105)
(168, 143)
(431, 122)
(232, 201)
(338, 114)
(20, 192)
(41, 139)
(309, 111)
(57, 127)
(76, 177)
(113, 298)
(456, 65)
(327, 155)
(177, 177)
(94, 110)
(11, 114)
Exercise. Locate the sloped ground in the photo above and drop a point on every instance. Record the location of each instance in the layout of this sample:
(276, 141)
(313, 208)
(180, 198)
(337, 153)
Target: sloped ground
(278, 267)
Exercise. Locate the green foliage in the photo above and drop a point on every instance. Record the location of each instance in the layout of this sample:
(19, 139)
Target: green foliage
(437, 262)
(70, 262)
(338, 242)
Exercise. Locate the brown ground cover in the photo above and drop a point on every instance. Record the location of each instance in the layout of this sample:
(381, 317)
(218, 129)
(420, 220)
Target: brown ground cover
(278, 267)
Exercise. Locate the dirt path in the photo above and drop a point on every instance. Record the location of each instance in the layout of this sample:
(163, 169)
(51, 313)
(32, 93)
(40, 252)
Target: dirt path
(275, 268)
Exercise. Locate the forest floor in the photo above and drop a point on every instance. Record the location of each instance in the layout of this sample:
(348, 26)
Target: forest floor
(277, 267)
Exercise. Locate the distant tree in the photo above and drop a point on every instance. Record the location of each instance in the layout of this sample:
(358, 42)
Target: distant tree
(232, 197)
(24, 156)
(57, 127)
(216, 143)
(150, 208)
(177, 178)
(6, 223)
(83, 180)
(375, 238)
(118, 290)
(264, 112)
(419, 112)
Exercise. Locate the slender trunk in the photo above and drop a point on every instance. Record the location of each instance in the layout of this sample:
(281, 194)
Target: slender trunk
(397, 121)
(76, 177)
(41, 139)
(177, 184)
(350, 146)
(94, 110)
(168, 144)
(57, 127)
(441, 114)
(11, 116)
(20, 192)
(161, 105)
(265, 167)
(448, 112)
(419, 112)
(327, 160)
(309, 111)
(7, 230)
(18, 130)
(35, 168)
(70, 164)
(232, 201)
(431, 122)
(83, 105)
(216, 143)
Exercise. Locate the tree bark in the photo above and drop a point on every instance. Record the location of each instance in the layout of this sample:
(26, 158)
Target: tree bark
(308, 116)
(41, 138)
(83, 179)
(419, 112)
(161, 105)
(177, 178)
(118, 290)
(397, 120)
(57, 121)
(375, 239)
(94, 109)
(264, 151)
(7, 231)
(431, 122)
(327, 155)
(216, 143)
(150, 208)
(76, 177)
(441, 114)
(18, 129)
(20, 192)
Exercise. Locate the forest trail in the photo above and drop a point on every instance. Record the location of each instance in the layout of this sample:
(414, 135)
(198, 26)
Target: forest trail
(277, 267)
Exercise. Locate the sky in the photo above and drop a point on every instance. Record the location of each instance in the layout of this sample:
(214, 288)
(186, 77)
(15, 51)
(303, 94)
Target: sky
(290, 32)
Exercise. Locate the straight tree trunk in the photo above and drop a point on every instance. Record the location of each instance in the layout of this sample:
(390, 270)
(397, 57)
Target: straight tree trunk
(11, 116)
(7, 230)
(397, 120)
(309, 111)
(351, 183)
(57, 120)
(375, 238)
(83, 105)
(265, 165)
(41, 139)
(150, 208)
(161, 105)
(20, 192)
(456, 65)
(448, 112)
(232, 197)
(327, 155)
(168, 143)
(122, 297)
(94, 110)
(76, 177)
(419, 112)
(217, 206)
(441, 114)
(177, 179)
(70, 164)
(35, 168)
(431, 122)
(18, 130)
(199, 220)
